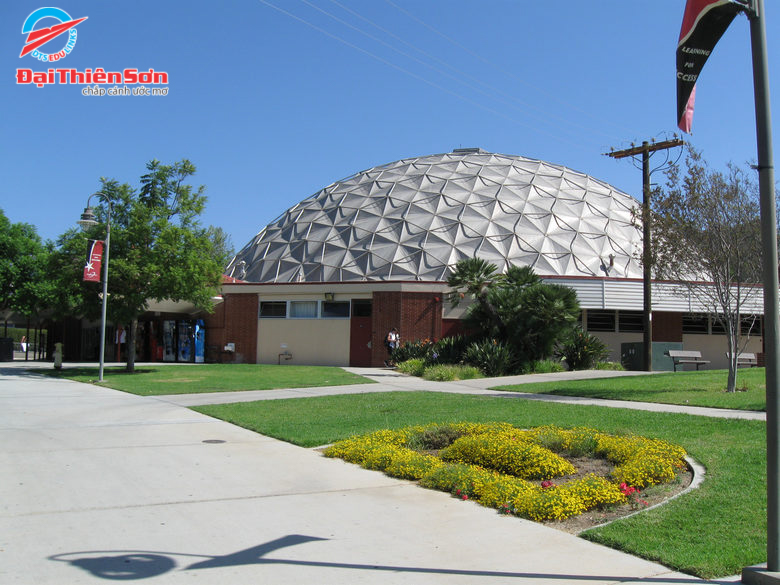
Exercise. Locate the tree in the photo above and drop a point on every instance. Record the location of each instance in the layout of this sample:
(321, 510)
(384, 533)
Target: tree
(706, 227)
(159, 249)
(24, 287)
(517, 308)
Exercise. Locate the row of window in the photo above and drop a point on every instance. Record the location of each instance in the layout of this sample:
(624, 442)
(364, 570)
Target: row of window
(595, 320)
(314, 309)
(632, 322)
(703, 323)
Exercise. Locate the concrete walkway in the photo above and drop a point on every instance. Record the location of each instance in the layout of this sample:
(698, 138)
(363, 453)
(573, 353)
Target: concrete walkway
(391, 380)
(99, 485)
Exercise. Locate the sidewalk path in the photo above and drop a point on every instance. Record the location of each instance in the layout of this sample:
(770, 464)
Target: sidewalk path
(388, 380)
(100, 485)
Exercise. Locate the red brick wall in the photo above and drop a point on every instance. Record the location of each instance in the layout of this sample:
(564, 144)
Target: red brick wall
(239, 327)
(215, 333)
(385, 314)
(667, 326)
(420, 316)
(416, 315)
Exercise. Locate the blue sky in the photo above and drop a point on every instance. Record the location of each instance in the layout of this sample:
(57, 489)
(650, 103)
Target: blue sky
(275, 99)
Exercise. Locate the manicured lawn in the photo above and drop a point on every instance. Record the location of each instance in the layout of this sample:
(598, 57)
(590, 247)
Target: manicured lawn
(706, 388)
(188, 379)
(713, 531)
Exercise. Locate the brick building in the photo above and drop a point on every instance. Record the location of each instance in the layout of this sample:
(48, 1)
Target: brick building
(326, 281)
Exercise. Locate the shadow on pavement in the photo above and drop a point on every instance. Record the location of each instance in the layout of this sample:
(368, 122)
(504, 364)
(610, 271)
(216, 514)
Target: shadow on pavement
(134, 565)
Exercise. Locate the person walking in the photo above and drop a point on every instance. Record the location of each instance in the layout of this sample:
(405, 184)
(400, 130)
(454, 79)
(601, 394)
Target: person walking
(392, 341)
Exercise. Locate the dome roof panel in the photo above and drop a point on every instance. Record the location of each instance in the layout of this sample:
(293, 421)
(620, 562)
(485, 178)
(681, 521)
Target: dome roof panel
(416, 217)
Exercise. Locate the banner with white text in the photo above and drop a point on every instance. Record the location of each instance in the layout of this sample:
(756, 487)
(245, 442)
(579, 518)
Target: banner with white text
(704, 23)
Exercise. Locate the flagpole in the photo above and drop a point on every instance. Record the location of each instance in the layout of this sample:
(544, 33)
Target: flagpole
(766, 183)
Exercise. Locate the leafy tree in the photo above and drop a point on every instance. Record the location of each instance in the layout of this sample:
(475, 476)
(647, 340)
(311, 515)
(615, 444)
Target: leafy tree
(517, 309)
(159, 249)
(24, 287)
(706, 227)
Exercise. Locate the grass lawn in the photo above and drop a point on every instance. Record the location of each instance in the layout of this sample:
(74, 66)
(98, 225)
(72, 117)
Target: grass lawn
(711, 532)
(189, 379)
(706, 388)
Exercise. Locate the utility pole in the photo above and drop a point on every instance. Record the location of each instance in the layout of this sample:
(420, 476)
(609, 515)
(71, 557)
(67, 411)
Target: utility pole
(647, 318)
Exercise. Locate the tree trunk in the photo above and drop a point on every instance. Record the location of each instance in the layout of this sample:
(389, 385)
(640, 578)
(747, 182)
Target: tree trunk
(733, 353)
(131, 345)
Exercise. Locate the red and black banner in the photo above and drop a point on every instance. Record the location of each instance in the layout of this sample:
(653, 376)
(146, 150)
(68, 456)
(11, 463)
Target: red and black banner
(704, 22)
(94, 260)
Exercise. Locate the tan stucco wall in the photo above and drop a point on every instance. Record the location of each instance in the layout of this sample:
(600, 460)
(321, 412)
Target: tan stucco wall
(713, 348)
(613, 341)
(313, 342)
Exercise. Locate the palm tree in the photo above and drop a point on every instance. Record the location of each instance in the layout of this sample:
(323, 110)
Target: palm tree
(474, 276)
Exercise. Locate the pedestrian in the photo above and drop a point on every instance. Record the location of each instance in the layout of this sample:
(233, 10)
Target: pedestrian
(392, 341)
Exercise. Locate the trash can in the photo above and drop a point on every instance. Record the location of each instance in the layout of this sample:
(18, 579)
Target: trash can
(6, 349)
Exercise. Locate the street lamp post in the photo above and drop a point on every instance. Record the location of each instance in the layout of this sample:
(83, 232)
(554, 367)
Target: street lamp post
(88, 220)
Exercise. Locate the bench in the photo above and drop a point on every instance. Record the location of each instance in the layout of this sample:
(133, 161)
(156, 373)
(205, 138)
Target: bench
(745, 359)
(680, 356)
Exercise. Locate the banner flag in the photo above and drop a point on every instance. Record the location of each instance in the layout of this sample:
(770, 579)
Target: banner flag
(704, 22)
(94, 260)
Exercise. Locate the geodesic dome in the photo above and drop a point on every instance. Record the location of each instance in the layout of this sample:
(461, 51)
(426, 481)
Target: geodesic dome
(413, 219)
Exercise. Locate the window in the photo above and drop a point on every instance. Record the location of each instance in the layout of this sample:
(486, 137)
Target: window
(273, 309)
(303, 309)
(631, 322)
(361, 307)
(335, 309)
(717, 327)
(600, 320)
(695, 323)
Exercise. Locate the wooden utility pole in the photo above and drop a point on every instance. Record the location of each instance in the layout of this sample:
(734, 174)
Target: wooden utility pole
(647, 317)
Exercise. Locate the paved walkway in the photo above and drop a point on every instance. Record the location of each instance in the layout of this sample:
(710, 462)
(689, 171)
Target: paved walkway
(390, 380)
(97, 485)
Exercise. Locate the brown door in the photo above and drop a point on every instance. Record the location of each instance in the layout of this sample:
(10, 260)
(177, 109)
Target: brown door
(360, 333)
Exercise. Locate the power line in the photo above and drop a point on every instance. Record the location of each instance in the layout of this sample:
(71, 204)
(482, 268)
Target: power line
(472, 102)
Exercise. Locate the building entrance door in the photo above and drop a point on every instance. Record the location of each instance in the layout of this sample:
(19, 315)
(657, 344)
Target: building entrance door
(360, 333)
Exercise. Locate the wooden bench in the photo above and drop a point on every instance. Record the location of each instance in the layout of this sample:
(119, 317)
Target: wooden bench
(745, 359)
(680, 356)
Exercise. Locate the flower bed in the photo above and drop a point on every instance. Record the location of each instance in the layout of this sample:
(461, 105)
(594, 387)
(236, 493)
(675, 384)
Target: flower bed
(495, 463)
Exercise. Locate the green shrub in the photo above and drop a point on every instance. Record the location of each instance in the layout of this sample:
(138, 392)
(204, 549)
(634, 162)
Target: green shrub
(546, 367)
(490, 356)
(576, 442)
(419, 349)
(616, 366)
(435, 437)
(412, 367)
(450, 372)
(582, 351)
(449, 350)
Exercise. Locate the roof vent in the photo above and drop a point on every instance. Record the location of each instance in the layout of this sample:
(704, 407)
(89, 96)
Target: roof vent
(469, 150)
